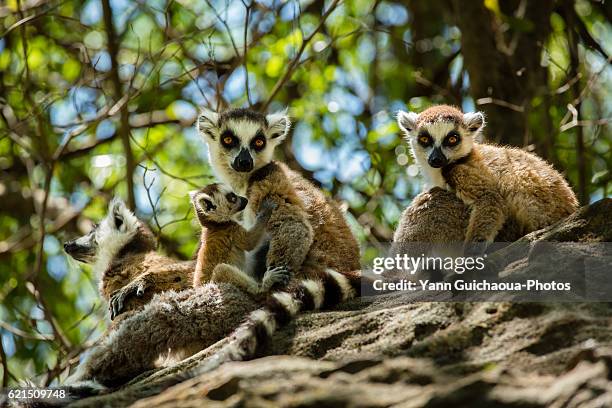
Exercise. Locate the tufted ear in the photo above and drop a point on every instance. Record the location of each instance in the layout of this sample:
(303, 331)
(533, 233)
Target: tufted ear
(278, 124)
(207, 123)
(119, 212)
(474, 121)
(407, 121)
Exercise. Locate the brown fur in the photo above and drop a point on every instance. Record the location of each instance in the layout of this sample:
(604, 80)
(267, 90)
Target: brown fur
(223, 242)
(437, 216)
(178, 323)
(308, 231)
(149, 272)
(440, 113)
(502, 182)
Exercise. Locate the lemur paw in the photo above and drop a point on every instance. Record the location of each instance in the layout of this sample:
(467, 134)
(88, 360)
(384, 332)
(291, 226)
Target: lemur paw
(85, 388)
(476, 247)
(277, 276)
(119, 297)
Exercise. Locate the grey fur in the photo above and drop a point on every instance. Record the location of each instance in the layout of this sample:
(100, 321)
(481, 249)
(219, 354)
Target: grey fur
(178, 322)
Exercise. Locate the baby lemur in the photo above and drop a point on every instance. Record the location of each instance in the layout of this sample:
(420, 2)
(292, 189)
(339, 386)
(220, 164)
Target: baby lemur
(496, 182)
(125, 261)
(221, 256)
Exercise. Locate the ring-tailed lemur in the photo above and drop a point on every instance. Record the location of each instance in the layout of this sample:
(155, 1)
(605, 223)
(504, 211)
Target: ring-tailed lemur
(496, 182)
(223, 242)
(129, 269)
(307, 232)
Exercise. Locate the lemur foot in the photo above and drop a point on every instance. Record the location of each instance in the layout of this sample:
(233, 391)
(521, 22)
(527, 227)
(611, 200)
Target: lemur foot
(277, 276)
(476, 247)
(119, 297)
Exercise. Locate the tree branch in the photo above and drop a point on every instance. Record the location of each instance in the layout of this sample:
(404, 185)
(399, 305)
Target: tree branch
(124, 128)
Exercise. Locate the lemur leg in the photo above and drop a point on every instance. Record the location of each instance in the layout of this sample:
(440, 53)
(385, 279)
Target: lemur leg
(474, 185)
(291, 239)
(230, 274)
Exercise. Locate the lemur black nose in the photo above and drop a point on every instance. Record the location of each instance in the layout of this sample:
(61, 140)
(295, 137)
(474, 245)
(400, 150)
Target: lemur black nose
(437, 159)
(242, 203)
(435, 162)
(69, 246)
(243, 162)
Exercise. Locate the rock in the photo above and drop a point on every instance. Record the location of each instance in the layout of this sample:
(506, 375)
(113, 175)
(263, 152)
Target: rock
(380, 351)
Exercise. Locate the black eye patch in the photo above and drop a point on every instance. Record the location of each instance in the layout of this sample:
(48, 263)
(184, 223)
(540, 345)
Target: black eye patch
(208, 205)
(231, 197)
(229, 139)
(425, 139)
(452, 139)
(259, 141)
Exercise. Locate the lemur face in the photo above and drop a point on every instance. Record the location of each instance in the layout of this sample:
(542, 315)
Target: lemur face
(118, 226)
(440, 135)
(241, 140)
(216, 203)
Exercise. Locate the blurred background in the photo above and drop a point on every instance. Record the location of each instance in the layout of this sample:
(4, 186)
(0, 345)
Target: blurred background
(98, 98)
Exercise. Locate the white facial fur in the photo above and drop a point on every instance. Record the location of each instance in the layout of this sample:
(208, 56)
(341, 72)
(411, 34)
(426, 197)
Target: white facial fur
(211, 126)
(469, 132)
(224, 210)
(114, 232)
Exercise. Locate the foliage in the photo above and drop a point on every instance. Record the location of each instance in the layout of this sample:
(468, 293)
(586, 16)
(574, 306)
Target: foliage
(98, 98)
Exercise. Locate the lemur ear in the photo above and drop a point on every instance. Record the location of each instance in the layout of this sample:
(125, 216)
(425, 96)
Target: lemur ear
(207, 123)
(278, 124)
(474, 121)
(407, 121)
(117, 209)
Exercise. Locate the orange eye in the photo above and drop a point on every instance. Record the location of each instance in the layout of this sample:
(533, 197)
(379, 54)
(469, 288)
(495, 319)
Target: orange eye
(452, 140)
(258, 143)
(227, 140)
(424, 139)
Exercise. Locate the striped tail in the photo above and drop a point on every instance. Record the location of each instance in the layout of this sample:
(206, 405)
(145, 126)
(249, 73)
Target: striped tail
(281, 307)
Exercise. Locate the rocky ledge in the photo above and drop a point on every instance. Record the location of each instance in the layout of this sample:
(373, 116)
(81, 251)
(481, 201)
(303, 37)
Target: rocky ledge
(382, 351)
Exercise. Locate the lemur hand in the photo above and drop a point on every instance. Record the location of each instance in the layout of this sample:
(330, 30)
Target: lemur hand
(277, 276)
(120, 296)
(266, 208)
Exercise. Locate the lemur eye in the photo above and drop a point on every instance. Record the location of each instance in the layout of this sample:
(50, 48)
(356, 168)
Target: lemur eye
(425, 139)
(207, 205)
(259, 142)
(451, 139)
(231, 197)
(228, 139)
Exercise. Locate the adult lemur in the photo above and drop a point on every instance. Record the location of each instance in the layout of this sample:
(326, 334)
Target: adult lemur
(125, 262)
(497, 183)
(307, 232)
